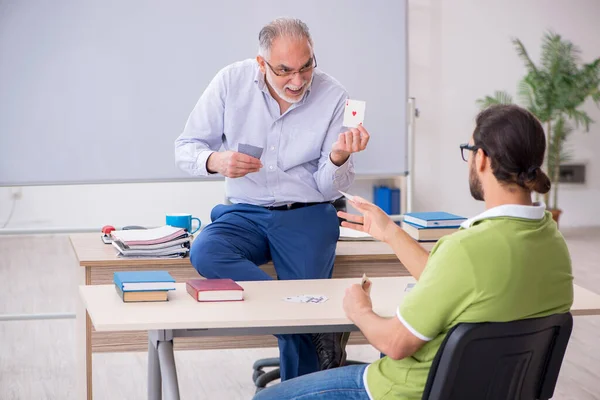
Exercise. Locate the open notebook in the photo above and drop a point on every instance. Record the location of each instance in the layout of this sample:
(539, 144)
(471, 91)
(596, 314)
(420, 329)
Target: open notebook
(347, 234)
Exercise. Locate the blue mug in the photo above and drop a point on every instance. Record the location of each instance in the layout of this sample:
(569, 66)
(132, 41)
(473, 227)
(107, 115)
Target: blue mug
(183, 221)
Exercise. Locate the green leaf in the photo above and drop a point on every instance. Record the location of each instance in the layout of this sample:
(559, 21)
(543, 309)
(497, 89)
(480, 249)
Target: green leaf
(521, 52)
(500, 97)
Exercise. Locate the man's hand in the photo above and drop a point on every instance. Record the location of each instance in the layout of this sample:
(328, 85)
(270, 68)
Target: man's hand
(349, 142)
(232, 164)
(374, 221)
(356, 302)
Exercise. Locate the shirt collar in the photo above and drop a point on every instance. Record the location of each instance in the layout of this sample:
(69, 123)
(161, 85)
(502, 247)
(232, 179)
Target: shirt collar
(533, 212)
(259, 79)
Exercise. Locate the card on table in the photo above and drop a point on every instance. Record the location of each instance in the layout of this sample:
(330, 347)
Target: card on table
(354, 113)
(307, 298)
(249, 150)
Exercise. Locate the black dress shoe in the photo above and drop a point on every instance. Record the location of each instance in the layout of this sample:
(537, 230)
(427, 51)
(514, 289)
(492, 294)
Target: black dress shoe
(331, 349)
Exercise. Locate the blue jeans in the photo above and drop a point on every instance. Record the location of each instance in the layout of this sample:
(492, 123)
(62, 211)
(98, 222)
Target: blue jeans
(344, 383)
(300, 242)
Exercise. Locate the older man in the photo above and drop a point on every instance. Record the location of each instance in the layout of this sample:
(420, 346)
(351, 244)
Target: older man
(285, 157)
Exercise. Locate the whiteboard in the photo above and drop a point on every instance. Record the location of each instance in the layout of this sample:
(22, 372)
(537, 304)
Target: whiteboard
(97, 91)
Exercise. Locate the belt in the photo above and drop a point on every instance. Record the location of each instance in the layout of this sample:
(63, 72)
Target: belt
(293, 206)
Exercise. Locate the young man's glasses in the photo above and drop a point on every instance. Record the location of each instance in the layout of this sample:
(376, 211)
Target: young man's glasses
(284, 72)
(466, 146)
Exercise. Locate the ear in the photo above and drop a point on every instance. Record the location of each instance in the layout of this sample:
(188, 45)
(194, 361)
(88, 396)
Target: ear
(482, 161)
(261, 64)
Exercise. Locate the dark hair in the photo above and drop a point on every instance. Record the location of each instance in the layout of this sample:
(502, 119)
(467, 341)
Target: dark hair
(515, 142)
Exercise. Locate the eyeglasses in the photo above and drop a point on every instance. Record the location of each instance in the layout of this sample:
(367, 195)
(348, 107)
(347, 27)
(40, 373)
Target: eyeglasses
(466, 146)
(284, 72)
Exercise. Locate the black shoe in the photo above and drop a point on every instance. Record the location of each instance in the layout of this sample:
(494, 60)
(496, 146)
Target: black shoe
(331, 349)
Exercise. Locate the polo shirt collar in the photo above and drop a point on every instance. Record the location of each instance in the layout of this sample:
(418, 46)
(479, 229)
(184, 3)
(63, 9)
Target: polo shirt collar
(533, 212)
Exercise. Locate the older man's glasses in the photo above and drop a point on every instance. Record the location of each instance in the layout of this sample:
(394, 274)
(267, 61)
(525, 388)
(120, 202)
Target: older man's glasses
(286, 72)
(463, 147)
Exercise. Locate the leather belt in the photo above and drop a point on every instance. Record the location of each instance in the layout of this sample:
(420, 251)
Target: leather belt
(293, 206)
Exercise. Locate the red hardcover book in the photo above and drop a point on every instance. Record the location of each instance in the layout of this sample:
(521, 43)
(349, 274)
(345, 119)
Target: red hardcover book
(214, 290)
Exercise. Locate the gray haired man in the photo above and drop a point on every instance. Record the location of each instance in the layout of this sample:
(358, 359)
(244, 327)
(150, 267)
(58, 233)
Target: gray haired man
(286, 156)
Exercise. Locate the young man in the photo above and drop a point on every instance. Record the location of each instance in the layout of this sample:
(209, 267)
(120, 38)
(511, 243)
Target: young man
(508, 263)
(286, 116)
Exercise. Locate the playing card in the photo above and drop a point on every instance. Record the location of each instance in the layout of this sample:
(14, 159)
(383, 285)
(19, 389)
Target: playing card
(351, 197)
(366, 284)
(348, 196)
(307, 298)
(250, 150)
(354, 113)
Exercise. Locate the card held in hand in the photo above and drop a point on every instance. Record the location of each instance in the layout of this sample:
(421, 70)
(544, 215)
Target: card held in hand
(250, 150)
(365, 284)
(354, 113)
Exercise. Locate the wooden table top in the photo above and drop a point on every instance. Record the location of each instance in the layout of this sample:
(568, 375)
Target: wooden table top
(92, 252)
(263, 306)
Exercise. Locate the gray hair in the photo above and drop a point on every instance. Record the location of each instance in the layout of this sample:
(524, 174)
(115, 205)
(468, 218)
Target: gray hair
(288, 27)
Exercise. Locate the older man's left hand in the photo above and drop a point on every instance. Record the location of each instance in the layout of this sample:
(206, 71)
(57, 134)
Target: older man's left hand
(356, 302)
(351, 141)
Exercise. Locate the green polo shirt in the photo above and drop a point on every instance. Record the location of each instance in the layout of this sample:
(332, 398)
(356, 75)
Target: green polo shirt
(510, 263)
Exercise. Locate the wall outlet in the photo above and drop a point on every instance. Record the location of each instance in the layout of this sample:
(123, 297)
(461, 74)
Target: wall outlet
(16, 193)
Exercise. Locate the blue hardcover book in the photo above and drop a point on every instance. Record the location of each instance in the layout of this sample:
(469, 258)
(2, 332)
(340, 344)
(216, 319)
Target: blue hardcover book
(434, 219)
(139, 281)
(430, 234)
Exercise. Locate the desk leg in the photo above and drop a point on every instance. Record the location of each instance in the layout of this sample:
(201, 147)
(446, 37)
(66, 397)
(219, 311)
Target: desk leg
(168, 371)
(83, 328)
(161, 346)
(154, 382)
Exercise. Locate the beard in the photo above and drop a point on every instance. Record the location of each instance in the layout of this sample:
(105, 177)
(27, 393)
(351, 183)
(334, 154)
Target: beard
(475, 184)
(281, 91)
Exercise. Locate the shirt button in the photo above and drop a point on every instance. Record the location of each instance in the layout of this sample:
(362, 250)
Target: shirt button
(272, 147)
(271, 167)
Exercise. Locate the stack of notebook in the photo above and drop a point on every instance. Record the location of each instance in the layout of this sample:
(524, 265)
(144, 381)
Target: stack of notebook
(163, 242)
(431, 226)
(134, 286)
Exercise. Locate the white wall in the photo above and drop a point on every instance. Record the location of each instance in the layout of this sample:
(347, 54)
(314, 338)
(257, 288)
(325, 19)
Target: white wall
(460, 50)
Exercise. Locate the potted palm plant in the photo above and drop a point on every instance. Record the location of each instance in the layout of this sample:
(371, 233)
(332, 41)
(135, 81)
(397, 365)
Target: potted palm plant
(554, 92)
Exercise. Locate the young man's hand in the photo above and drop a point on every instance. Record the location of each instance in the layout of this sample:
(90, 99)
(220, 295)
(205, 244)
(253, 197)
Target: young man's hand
(374, 220)
(356, 302)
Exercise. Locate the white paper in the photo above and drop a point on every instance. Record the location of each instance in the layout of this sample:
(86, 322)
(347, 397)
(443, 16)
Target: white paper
(351, 234)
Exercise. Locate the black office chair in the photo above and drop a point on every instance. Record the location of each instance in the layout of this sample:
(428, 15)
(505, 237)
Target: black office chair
(517, 360)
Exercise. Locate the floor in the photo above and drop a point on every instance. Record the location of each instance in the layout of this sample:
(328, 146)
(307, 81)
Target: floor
(37, 358)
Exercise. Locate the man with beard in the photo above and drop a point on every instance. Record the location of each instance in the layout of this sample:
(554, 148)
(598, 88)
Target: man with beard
(282, 196)
(508, 263)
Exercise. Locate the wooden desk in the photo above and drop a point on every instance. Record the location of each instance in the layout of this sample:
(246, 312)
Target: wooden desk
(99, 261)
(262, 312)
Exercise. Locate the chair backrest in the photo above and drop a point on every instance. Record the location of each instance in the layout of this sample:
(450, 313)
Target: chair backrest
(517, 360)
